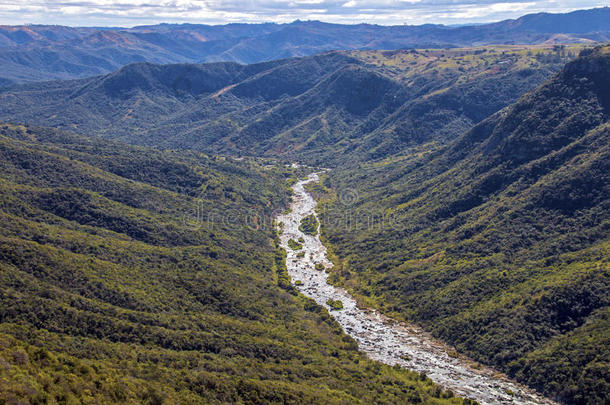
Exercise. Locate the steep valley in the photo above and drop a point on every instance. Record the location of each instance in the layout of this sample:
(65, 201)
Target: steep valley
(498, 241)
(380, 337)
(130, 275)
(465, 215)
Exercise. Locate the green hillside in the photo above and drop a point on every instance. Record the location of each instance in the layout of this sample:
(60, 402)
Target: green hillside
(329, 109)
(499, 241)
(129, 275)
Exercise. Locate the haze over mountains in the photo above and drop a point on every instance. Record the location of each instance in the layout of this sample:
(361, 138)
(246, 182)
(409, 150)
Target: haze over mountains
(36, 52)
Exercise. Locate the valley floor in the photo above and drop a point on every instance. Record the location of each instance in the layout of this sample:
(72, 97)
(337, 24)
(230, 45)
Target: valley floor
(380, 337)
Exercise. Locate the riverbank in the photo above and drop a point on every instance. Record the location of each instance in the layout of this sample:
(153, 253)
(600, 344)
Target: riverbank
(381, 338)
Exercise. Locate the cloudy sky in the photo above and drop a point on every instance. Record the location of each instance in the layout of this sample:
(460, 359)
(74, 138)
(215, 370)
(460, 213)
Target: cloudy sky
(137, 12)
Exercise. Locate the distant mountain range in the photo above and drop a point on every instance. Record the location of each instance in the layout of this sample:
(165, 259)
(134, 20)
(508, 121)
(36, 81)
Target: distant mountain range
(43, 52)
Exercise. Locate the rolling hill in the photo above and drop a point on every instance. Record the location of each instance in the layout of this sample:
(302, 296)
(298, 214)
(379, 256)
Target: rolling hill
(43, 52)
(326, 109)
(129, 275)
(497, 242)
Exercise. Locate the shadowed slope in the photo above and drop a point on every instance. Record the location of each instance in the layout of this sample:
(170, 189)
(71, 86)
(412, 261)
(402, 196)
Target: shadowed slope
(497, 242)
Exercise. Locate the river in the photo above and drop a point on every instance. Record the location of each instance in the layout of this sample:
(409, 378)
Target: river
(384, 339)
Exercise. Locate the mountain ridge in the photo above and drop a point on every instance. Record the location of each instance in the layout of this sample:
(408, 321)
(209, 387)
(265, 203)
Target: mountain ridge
(40, 52)
(326, 109)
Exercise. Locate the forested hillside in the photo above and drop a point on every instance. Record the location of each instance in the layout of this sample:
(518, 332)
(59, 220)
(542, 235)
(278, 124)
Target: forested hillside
(129, 275)
(329, 109)
(469, 193)
(49, 52)
(498, 242)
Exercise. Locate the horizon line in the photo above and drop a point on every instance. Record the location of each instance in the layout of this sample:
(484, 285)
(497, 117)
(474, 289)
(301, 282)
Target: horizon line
(298, 20)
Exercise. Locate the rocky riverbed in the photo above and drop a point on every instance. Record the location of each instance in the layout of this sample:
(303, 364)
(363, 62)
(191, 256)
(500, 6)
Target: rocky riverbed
(380, 337)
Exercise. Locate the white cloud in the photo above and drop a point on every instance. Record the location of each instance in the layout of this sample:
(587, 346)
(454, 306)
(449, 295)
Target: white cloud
(135, 12)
